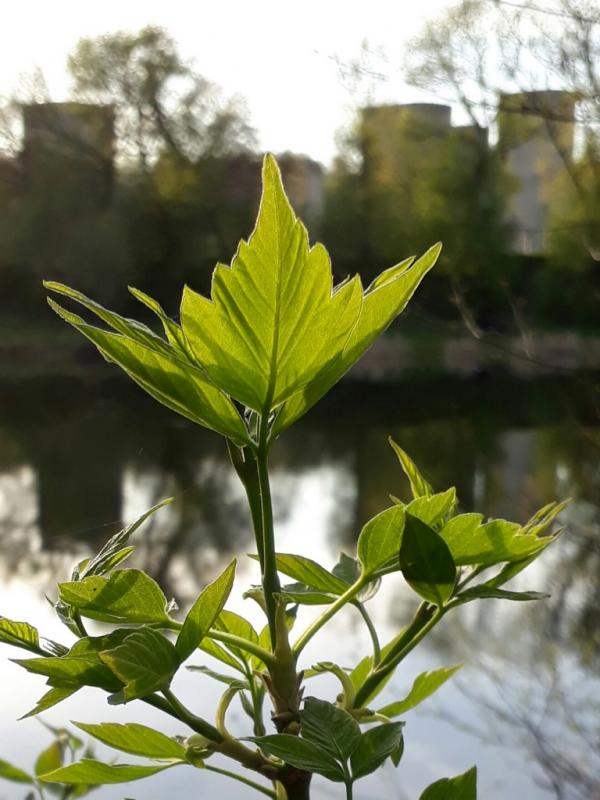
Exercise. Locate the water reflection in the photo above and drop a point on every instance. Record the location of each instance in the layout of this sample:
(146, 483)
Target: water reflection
(78, 459)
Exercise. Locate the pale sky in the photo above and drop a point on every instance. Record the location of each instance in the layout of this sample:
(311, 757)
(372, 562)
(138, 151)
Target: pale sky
(277, 54)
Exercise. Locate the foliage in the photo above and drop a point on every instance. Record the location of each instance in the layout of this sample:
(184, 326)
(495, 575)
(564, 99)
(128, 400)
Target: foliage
(273, 338)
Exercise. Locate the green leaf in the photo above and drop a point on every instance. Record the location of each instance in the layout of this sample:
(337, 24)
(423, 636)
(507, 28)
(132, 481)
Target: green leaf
(80, 667)
(308, 572)
(382, 302)
(138, 740)
(418, 485)
(94, 773)
(433, 510)
(115, 550)
(463, 787)
(374, 747)
(49, 759)
(484, 592)
(349, 570)
(19, 634)
(145, 663)
(380, 540)
(173, 332)
(493, 542)
(423, 687)
(300, 754)
(55, 695)
(127, 595)
(13, 774)
(330, 728)
(305, 595)
(215, 650)
(229, 680)
(426, 562)
(204, 612)
(174, 382)
(273, 320)
(230, 622)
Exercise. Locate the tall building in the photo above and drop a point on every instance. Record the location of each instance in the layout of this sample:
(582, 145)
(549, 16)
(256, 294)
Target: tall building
(535, 136)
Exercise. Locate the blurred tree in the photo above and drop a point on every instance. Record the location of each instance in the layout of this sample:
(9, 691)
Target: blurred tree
(161, 103)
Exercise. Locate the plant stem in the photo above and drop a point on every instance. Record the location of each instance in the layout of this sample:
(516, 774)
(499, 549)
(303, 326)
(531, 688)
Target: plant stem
(424, 620)
(196, 723)
(229, 638)
(329, 612)
(372, 632)
(247, 472)
(270, 577)
(349, 790)
(241, 779)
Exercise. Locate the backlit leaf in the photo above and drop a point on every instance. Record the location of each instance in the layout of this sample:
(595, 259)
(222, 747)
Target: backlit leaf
(19, 634)
(145, 663)
(426, 562)
(310, 573)
(380, 539)
(138, 740)
(493, 542)
(383, 301)
(204, 612)
(95, 773)
(487, 592)
(435, 509)
(175, 383)
(13, 774)
(418, 485)
(273, 320)
(424, 686)
(52, 697)
(49, 759)
(127, 595)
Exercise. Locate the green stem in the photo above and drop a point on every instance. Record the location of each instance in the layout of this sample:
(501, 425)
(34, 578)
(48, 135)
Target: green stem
(230, 638)
(195, 723)
(270, 577)
(241, 779)
(329, 612)
(244, 464)
(348, 790)
(372, 632)
(424, 620)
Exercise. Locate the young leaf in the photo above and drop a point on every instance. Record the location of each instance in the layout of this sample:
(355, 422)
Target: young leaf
(229, 680)
(230, 622)
(380, 539)
(104, 560)
(463, 787)
(94, 773)
(308, 572)
(13, 774)
(204, 612)
(72, 671)
(349, 570)
(273, 321)
(138, 740)
(490, 543)
(330, 728)
(304, 595)
(55, 695)
(418, 485)
(435, 509)
(426, 562)
(20, 634)
(374, 747)
(423, 687)
(145, 663)
(215, 650)
(382, 302)
(485, 592)
(175, 383)
(300, 754)
(128, 595)
(49, 759)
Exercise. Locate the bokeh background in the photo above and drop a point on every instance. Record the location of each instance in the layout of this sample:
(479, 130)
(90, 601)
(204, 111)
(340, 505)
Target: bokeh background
(131, 138)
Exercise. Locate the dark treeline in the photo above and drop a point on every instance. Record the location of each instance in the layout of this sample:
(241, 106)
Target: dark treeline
(149, 176)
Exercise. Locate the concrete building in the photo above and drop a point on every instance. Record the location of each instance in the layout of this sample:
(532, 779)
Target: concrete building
(535, 136)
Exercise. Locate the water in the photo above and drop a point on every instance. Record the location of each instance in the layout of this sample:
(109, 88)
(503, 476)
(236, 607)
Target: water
(80, 456)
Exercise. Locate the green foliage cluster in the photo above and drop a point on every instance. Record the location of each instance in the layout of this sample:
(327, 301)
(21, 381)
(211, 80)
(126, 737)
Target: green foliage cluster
(273, 338)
